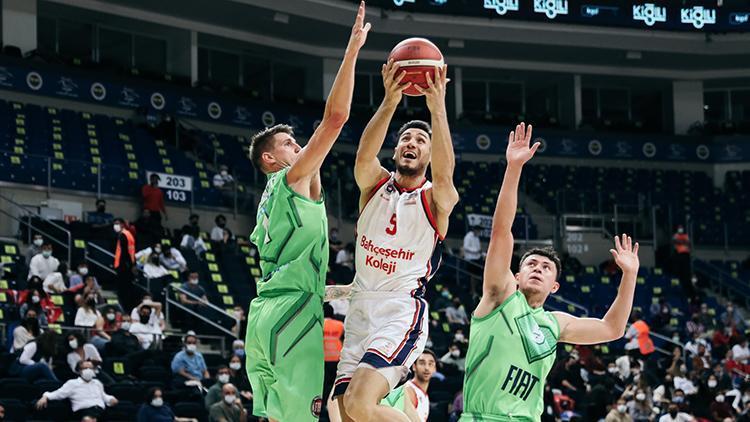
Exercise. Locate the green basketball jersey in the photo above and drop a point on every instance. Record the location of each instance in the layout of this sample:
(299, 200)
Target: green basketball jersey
(291, 233)
(395, 398)
(511, 351)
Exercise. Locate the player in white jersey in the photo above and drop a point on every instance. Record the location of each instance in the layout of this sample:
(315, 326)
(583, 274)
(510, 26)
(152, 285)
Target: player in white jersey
(403, 219)
(415, 390)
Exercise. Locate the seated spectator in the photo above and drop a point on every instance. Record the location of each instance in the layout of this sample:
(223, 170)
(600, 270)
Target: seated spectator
(86, 394)
(640, 407)
(91, 288)
(217, 233)
(26, 331)
(453, 357)
(222, 179)
(191, 236)
(732, 318)
(112, 319)
(155, 410)
(197, 297)
(79, 350)
(153, 268)
(123, 341)
(345, 256)
(100, 218)
(172, 260)
(214, 393)
(619, 413)
(34, 362)
(675, 415)
(456, 313)
(741, 352)
(36, 300)
(238, 348)
(238, 377)
(87, 315)
(720, 409)
(142, 256)
(694, 326)
(157, 316)
(230, 409)
(148, 333)
(75, 281)
(240, 329)
(54, 283)
(188, 364)
(43, 264)
(34, 248)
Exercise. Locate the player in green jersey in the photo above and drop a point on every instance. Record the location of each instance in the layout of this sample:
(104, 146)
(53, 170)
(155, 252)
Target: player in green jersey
(284, 341)
(513, 340)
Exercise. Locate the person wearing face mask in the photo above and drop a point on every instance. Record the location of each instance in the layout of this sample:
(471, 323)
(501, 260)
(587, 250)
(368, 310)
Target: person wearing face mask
(36, 300)
(214, 394)
(79, 350)
(76, 280)
(454, 357)
(456, 313)
(153, 199)
(238, 377)
(124, 265)
(43, 264)
(26, 331)
(229, 409)
(88, 315)
(145, 328)
(188, 364)
(619, 413)
(639, 408)
(720, 408)
(217, 232)
(142, 256)
(675, 415)
(86, 394)
(153, 269)
(34, 248)
(222, 179)
(123, 341)
(156, 410)
(191, 236)
(196, 297)
(100, 218)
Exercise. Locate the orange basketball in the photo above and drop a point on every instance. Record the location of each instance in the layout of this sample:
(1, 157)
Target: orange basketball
(416, 56)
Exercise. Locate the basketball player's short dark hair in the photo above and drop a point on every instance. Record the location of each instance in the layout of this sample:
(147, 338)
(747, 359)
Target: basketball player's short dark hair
(431, 353)
(415, 124)
(546, 252)
(261, 142)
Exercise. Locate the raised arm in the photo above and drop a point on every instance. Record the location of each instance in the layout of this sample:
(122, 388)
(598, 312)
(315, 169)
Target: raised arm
(367, 168)
(443, 162)
(337, 108)
(594, 330)
(499, 282)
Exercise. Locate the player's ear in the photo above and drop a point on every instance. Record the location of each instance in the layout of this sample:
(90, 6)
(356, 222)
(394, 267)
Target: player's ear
(555, 287)
(267, 158)
(517, 277)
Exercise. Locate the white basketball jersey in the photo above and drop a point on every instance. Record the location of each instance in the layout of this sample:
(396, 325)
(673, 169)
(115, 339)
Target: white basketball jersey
(398, 245)
(423, 400)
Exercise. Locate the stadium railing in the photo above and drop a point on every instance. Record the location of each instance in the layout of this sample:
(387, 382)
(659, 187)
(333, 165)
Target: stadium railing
(215, 315)
(722, 281)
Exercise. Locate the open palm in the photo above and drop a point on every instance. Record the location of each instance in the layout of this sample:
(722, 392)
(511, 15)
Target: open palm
(518, 151)
(626, 254)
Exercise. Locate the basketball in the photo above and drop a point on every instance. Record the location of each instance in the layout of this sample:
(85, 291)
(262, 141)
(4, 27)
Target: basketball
(416, 56)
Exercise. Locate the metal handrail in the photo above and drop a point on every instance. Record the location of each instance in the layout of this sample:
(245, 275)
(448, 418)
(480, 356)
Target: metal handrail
(97, 263)
(197, 315)
(584, 310)
(718, 275)
(30, 212)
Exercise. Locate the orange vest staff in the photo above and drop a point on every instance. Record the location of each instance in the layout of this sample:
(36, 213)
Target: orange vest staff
(645, 344)
(131, 248)
(333, 330)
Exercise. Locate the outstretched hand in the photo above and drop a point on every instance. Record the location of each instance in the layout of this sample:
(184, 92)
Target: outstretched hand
(518, 151)
(626, 254)
(393, 87)
(435, 91)
(359, 30)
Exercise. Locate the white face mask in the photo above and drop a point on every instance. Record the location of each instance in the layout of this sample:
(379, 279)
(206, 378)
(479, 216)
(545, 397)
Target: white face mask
(191, 348)
(35, 299)
(117, 228)
(157, 402)
(224, 173)
(87, 374)
(720, 398)
(125, 326)
(235, 366)
(111, 317)
(230, 399)
(38, 242)
(622, 408)
(640, 396)
(83, 271)
(712, 383)
(223, 378)
(157, 250)
(459, 337)
(455, 353)
(612, 370)
(194, 281)
(73, 344)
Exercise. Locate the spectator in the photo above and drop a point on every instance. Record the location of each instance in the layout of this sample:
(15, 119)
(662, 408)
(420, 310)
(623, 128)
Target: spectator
(453, 357)
(144, 329)
(741, 352)
(345, 257)
(195, 296)
(619, 413)
(191, 235)
(35, 248)
(238, 377)
(141, 257)
(241, 328)
(26, 331)
(472, 246)
(214, 394)
(333, 335)
(112, 319)
(674, 415)
(334, 243)
(694, 326)
(35, 361)
(43, 264)
(79, 350)
(124, 265)
(173, 260)
(217, 233)
(100, 218)
(153, 199)
(148, 228)
(230, 409)
(720, 409)
(222, 179)
(707, 319)
(732, 318)
(92, 289)
(681, 260)
(37, 301)
(123, 341)
(75, 281)
(156, 318)
(640, 407)
(188, 364)
(86, 394)
(155, 410)
(87, 315)
(153, 268)
(456, 313)
(238, 348)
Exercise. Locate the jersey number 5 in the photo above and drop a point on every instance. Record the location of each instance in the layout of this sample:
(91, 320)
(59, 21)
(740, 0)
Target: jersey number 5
(391, 230)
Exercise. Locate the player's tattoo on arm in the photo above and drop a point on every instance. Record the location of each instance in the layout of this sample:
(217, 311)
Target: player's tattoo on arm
(338, 292)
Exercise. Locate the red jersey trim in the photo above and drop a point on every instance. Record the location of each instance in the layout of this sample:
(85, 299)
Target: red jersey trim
(430, 217)
(402, 189)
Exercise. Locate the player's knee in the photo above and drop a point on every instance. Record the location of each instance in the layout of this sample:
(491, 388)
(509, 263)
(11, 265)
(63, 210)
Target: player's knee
(356, 407)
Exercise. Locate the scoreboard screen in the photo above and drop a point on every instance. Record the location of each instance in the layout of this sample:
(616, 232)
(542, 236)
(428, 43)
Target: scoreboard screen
(680, 15)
